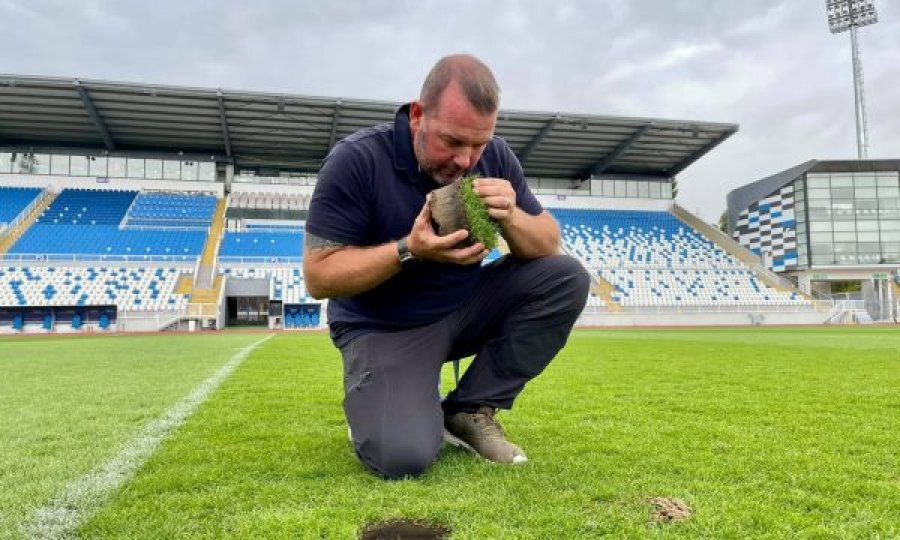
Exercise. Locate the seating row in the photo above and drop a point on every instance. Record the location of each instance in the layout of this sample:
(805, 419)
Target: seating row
(142, 289)
(653, 259)
(13, 200)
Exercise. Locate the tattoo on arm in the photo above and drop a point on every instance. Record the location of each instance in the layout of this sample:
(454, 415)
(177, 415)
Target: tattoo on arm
(317, 243)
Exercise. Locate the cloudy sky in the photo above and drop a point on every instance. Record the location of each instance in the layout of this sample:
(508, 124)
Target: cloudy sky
(770, 66)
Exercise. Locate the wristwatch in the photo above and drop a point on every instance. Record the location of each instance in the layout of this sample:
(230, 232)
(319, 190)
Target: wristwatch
(406, 256)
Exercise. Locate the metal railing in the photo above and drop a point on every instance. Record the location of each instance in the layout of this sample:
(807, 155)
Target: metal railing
(63, 257)
(251, 260)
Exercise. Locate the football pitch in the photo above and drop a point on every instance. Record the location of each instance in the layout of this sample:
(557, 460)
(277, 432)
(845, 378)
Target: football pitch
(762, 433)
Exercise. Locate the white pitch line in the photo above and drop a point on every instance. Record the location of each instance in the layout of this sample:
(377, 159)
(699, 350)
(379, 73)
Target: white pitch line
(62, 516)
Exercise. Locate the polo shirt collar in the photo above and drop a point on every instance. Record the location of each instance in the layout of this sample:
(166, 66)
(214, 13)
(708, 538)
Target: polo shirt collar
(404, 157)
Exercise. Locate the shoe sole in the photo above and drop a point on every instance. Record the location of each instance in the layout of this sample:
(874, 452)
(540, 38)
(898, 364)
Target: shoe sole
(453, 440)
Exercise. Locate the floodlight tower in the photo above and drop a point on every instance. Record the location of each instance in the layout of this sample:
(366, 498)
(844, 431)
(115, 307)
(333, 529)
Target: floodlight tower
(846, 15)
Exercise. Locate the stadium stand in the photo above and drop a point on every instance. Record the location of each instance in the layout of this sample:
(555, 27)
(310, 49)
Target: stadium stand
(13, 201)
(652, 259)
(270, 201)
(85, 224)
(285, 284)
(270, 245)
(139, 289)
(171, 210)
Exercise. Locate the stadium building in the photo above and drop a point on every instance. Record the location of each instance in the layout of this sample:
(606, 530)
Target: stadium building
(136, 207)
(827, 222)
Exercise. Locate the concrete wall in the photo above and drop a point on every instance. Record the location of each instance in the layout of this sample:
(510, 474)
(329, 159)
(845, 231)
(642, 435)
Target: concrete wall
(698, 319)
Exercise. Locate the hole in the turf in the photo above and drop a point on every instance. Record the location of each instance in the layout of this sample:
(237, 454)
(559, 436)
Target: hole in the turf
(669, 509)
(401, 529)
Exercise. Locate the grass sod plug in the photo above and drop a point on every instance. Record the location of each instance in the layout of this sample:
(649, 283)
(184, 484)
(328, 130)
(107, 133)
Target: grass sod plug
(457, 206)
(482, 226)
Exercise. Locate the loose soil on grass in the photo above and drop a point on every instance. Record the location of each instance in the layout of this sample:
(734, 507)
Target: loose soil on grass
(669, 509)
(402, 529)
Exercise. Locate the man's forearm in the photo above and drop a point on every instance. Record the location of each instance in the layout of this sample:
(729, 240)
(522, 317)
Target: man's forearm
(345, 271)
(530, 236)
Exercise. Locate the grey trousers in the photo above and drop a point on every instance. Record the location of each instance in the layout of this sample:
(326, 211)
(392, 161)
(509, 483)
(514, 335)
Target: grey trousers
(515, 322)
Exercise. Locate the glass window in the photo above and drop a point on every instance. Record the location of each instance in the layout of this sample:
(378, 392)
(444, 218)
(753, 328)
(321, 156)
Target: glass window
(841, 181)
(886, 179)
(844, 225)
(845, 237)
(171, 170)
(153, 168)
(889, 208)
(135, 168)
(817, 180)
(189, 170)
(889, 191)
(867, 209)
(632, 187)
(819, 226)
(666, 190)
(864, 180)
(644, 190)
(891, 238)
(867, 237)
(97, 166)
(78, 166)
(41, 164)
(821, 257)
(819, 193)
(116, 166)
(5, 162)
(842, 193)
(59, 164)
(842, 209)
(609, 188)
(620, 188)
(865, 193)
(655, 190)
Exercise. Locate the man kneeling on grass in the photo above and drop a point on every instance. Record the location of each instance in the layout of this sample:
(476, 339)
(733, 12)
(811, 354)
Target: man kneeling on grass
(404, 300)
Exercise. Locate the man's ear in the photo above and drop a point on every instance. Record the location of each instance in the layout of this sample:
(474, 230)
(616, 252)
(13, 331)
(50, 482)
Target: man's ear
(416, 112)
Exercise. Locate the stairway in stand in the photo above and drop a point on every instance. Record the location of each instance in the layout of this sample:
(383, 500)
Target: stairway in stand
(206, 287)
(12, 235)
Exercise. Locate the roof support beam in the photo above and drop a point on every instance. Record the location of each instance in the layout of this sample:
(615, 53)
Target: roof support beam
(334, 123)
(223, 120)
(686, 162)
(617, 152)
(538, 139)
(95, 116)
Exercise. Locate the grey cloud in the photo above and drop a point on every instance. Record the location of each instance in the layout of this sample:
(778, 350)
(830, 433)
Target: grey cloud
(769, 65)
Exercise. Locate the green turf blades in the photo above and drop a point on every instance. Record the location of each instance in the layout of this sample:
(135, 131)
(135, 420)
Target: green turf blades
(482, 226)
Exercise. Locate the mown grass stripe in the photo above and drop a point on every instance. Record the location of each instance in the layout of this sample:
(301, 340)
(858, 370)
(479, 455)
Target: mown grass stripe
(62, 516)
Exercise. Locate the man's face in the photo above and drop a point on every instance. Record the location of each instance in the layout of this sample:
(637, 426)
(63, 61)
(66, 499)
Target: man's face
(448, 139)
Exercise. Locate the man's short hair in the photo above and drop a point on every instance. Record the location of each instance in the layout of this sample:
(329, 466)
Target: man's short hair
(473, 76)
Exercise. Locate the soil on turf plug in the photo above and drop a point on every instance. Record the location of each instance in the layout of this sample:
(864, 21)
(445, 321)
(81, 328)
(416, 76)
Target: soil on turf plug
(401, 529)
(669, 509)
(457, 206)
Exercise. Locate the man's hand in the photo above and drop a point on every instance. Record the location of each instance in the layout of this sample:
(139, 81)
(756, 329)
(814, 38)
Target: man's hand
(424, 243)
(499, 196)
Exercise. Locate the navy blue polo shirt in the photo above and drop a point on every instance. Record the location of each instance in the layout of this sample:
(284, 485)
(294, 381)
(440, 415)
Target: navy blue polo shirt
(369, 192)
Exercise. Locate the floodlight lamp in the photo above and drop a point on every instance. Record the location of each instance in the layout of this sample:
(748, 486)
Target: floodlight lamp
(846, 14)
